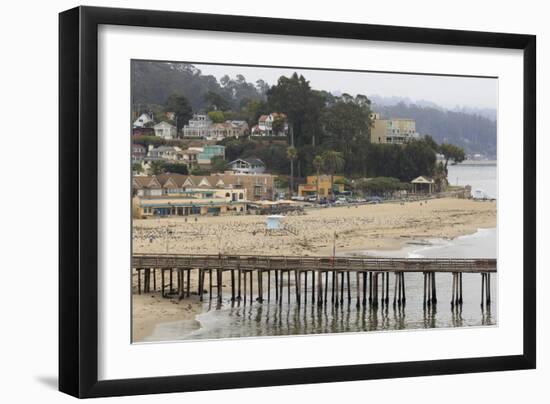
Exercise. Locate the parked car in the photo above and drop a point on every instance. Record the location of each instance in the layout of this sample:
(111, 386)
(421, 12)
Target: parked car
(375, 199)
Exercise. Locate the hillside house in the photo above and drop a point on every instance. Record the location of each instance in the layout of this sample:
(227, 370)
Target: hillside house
(165, 130)
(142, 120)
(247, 166)
(265, 125)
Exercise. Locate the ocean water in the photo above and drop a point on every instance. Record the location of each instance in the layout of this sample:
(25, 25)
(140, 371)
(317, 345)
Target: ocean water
(480, 175)
(244, 319)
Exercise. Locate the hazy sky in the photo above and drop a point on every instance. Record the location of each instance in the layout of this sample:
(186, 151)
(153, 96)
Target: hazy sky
(446, 91)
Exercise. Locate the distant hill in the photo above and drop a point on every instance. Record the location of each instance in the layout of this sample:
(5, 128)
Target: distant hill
(379, 100)
(473, 132)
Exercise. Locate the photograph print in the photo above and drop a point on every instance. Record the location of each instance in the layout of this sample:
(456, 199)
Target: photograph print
(277, 201)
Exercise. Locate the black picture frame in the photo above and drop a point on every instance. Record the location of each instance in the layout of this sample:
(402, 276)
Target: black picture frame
(78, 179)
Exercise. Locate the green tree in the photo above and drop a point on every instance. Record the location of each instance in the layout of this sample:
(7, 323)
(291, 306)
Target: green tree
(451, 152)
(137, 167)
(333, 161)
(381, 186)
(318, 164)
(431, 142)
(175, 168)
(440, 177)
(156, 168)
(346, 123)
(216, 116)
(216, 102)
(291, 154)
(182, 109)
(218, 164)
(278, 125)
(294, 97)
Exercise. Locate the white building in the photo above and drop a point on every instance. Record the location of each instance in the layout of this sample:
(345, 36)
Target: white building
(199, 126)
(142, 121)
(265, 125)
(165, 130)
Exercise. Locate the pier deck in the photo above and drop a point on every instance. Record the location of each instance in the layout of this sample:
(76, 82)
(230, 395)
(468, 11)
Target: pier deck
(371, 276)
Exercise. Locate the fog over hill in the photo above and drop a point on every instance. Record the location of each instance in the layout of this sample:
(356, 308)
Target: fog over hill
(488, 113)
(474, 132)
(472, 128)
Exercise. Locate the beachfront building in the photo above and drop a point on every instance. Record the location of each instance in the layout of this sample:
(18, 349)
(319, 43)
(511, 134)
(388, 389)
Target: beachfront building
(165, 130)
(256, 187)
(182, 195)
(268, 125)
(423, 185)
(392, 131)
(250, 165)
(199, 126)
(310, 187)
(208, 152)
(142, 121)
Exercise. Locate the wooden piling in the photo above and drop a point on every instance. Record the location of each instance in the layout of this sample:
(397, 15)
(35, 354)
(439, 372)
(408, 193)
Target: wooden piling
(244, 286)
(482, 289)
(162, 281)
(349, 286)
(188, 282)
(251, 290)
(201, 283)
(358, 289)
(364, 289)
(434, 289)
(488, 288)
(453, 290)
(268, 285)
(460, 284)
(276, 285)
(312, 287)
(232, 285)
(425, 284)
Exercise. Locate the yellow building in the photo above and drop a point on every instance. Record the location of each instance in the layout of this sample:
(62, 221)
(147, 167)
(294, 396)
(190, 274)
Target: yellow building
(393, 131)
(310, 188)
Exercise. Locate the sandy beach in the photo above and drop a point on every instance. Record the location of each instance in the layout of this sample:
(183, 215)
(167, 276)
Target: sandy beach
(387, 226)
(365, 227)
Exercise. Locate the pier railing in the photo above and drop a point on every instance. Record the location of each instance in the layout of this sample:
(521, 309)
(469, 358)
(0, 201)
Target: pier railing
(353, 264)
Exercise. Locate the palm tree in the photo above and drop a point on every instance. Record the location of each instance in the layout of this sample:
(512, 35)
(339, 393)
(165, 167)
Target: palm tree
(291, 154)
(318, 163)
(333, 161)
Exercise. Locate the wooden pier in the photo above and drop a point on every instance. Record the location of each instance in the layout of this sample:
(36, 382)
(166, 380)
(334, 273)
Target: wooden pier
(327, 280)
